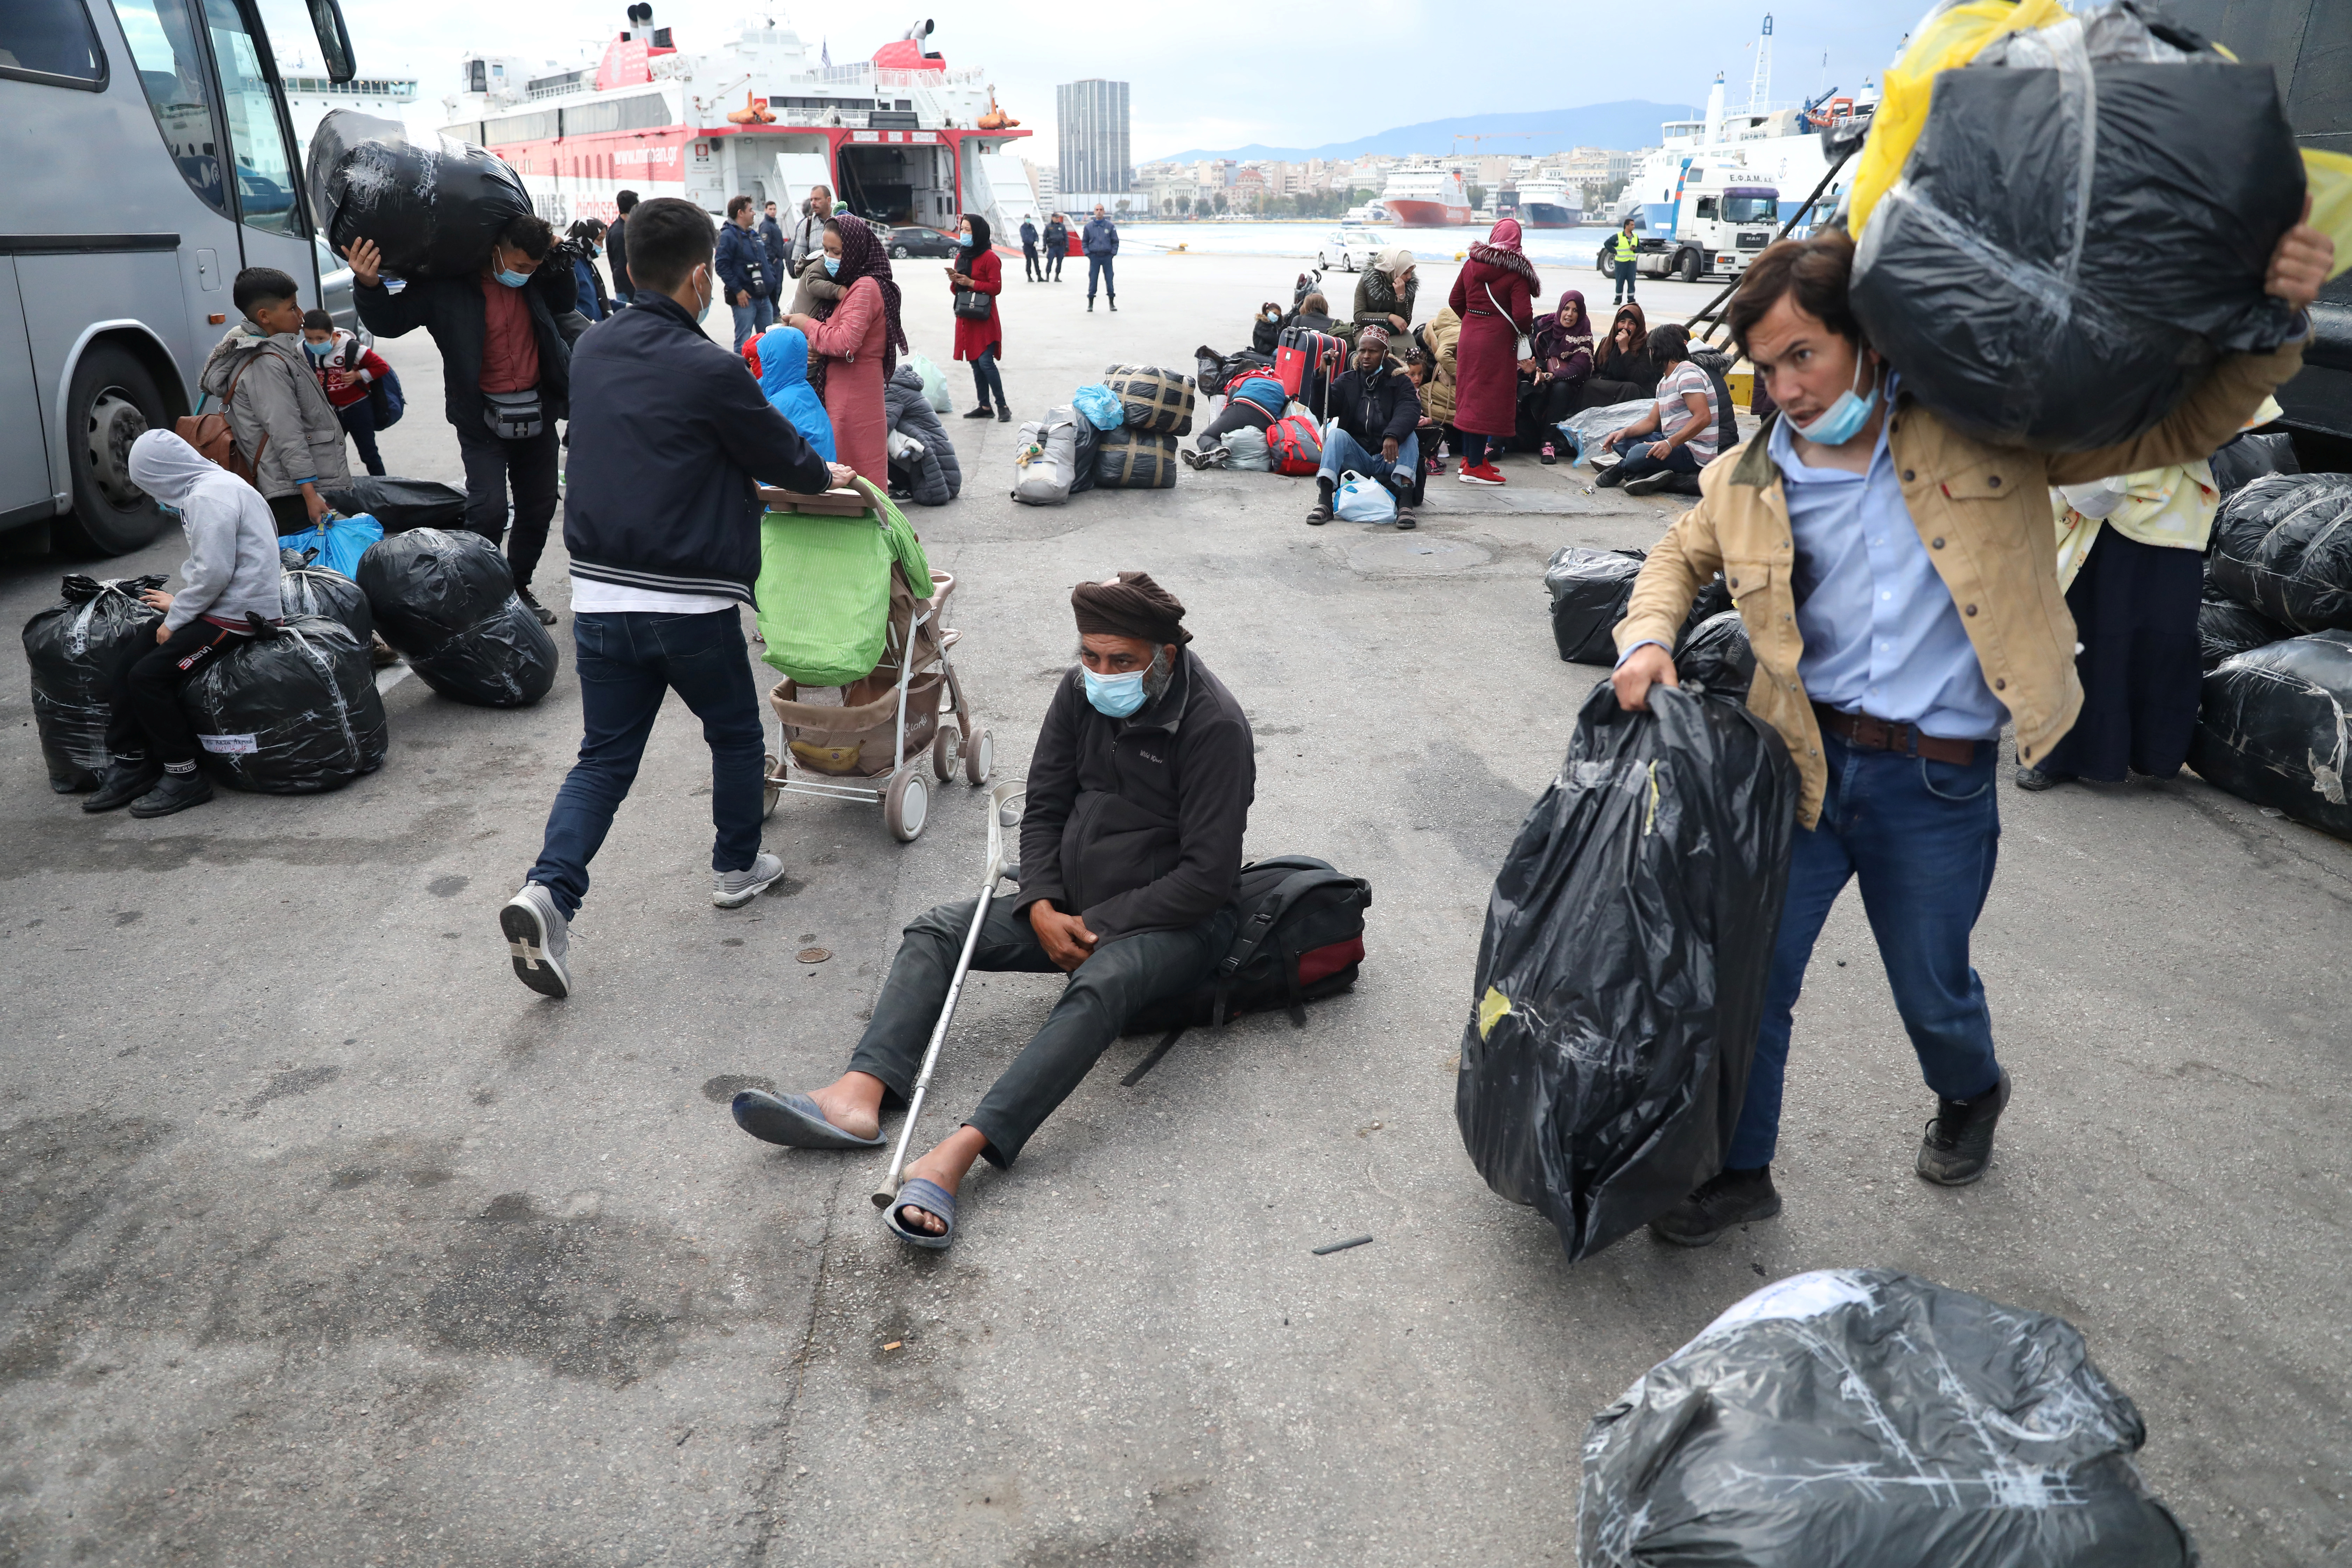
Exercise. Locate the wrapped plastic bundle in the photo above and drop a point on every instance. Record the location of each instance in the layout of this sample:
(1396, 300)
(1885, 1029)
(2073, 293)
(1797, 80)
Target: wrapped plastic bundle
(1085, 451)
(1582, 432)
(1099, 405)
(1135, 460)
(1622, 972)
(446, 600)
(77, 647)
(1589, 592)
(1044, 459)
(1714, 655)
(398, 505)
(432, 208)
(293, 711)
(1152, 398)
(1247, 449)
(2251, 455)
(2275, 727)
(337, 543)
(1866, 1416)
(2081, 229)
(310, 589)
(2283, 545)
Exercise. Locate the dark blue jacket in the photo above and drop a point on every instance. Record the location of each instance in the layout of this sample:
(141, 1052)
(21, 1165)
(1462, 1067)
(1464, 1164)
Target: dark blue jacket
(1028, 233)
(771, 235)
(451, 309)
(739, 251)
(668, 429)
(1101, 237)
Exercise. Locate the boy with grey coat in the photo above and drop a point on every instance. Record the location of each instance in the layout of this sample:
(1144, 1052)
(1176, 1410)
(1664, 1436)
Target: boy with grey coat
(278, 414)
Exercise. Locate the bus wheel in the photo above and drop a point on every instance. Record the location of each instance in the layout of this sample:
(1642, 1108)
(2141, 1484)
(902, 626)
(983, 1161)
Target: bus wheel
(112, 403)
(1687, 265)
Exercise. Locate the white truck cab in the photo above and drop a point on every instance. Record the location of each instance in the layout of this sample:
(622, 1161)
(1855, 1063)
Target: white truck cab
(1703, 218)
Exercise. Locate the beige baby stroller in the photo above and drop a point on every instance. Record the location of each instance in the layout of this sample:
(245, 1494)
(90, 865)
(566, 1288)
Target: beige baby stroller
(836, 597)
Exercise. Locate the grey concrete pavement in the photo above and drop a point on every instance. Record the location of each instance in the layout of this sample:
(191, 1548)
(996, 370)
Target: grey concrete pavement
(326, 1242)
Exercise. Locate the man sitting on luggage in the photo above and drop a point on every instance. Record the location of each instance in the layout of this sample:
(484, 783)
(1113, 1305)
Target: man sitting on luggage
(1132, 896)
(1375, 407)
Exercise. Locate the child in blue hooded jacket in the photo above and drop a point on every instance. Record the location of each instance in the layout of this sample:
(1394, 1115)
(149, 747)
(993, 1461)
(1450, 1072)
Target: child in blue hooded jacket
(783, 377)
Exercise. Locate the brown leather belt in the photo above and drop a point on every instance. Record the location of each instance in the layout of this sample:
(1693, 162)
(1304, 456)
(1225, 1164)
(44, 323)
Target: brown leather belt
(1878, 735)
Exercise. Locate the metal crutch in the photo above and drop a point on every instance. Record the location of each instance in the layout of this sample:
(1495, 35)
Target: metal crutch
(1002, 814)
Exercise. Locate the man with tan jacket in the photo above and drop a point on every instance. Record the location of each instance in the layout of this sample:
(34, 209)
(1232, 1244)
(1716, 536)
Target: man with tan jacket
(1897, 581)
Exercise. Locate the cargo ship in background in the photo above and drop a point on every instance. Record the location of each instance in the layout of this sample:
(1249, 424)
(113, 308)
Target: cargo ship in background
(1426, 198)
(901, 138)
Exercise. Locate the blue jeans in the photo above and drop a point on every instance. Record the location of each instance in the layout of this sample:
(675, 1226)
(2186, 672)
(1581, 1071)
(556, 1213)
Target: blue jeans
(752, 320)
(1624, 282)
(628, 663)
(986, 375)
(1921, 837)
(1099, 267)
(1635, 451)
(1342, 452)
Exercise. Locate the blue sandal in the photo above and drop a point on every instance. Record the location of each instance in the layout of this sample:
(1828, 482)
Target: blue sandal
(932, 1199)
(793, 1120)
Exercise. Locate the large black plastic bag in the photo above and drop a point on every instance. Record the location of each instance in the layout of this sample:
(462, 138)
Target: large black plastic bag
(2227, 629)
(293, 711)
(2249, 456)
(1715, 655)
(2274, 726)
(432, 207)
(1621, 974)
(1589, 591)
(1864, 1417)
(2031, 309)
(77, 647)
(446, 600)
(2283, 545)
(399, 504)
(308, 588)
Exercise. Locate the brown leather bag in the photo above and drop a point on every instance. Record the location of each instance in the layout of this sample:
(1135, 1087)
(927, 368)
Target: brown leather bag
(210, 435)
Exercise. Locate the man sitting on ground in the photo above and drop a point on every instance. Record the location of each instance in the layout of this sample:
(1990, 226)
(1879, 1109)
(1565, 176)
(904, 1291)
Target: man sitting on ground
(1375, 408)
(1162, 747)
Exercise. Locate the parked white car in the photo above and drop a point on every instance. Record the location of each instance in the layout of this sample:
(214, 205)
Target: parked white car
(1347, 250)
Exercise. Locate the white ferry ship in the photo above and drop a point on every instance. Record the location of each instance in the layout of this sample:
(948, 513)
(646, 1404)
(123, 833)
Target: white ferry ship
(901, 138)
(1426, 198)
(1545, 204)
(1777, 147)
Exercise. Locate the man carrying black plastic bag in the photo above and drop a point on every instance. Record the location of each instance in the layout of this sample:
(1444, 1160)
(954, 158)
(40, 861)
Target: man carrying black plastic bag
(1897, 581)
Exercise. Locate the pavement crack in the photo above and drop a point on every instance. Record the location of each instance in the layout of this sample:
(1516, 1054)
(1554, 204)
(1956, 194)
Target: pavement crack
(766, 1492)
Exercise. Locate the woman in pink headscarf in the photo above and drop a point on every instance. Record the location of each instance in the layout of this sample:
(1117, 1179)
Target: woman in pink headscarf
(1495, 295)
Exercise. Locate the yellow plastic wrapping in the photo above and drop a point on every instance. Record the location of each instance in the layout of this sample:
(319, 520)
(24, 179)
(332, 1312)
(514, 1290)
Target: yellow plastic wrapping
(2329, 178)
(1949, 37)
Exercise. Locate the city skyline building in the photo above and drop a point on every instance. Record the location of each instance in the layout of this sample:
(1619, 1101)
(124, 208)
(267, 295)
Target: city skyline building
(1090, 127)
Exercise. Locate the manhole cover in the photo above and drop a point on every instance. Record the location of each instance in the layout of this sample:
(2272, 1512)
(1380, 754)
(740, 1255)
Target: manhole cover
(813, 954)
(1418, 554)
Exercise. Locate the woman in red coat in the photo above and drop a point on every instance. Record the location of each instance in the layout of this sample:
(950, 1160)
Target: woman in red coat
(983, 343)
(1495, 296)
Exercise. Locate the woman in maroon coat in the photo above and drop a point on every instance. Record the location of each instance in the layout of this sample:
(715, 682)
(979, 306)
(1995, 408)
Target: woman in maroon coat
(983, 343)
(1495, 296)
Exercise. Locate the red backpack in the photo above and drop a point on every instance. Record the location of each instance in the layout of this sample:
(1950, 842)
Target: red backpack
(1294, 443)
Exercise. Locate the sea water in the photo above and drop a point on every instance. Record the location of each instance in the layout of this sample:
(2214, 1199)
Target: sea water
(1545, 247)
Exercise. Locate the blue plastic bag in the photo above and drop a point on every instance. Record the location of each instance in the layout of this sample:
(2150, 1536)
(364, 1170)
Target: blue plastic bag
(340, 542)
(1362, 500)
(1100, 407)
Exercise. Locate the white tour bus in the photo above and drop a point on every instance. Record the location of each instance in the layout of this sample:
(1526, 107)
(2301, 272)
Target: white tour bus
(149, 157)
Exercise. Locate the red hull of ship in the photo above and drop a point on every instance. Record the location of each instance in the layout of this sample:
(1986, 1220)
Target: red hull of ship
(1425, 215)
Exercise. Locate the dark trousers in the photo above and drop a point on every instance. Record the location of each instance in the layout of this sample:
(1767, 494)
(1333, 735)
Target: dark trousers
(985, 377)
(1098, 267)
(148, 719)
(1238, 414)
(628, 663)
(1029, 264)
(1122, 978)
(1054, 259)
(2135, 609)
(1635, 451)
(491, 463)
(289, 514)
(1474, 446)
(1921, 837)
(1624, 283)
(359, 424)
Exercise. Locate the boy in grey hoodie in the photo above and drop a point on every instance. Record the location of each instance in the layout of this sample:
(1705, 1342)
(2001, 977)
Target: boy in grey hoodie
(231, 572)
(278, 414)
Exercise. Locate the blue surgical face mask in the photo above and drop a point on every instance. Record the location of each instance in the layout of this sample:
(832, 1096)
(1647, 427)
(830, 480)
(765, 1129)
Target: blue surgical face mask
(833, 267)
(318, 350)
(704, 314)
(1115, 695)
(167, 509)
(513, 279)
(1842, 420)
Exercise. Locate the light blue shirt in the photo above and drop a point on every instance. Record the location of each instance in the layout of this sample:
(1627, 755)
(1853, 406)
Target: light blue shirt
(1882, 634)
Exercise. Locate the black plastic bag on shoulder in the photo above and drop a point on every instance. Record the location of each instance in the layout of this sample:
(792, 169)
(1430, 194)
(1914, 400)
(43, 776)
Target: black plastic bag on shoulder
(308, 588)
(399, 504)
(77, 647)
(1862, 1415)
(2283, 545)
(292, 711)
(431, 207)
(1620, 977)
(2269, 729)
(446, 600)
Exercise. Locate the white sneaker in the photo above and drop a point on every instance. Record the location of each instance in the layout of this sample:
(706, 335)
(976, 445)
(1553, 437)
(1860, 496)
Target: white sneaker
(538, 936)
(733, 890)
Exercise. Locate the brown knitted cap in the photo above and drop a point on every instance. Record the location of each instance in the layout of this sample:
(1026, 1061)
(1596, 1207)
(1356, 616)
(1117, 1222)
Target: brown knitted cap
(1129, 605)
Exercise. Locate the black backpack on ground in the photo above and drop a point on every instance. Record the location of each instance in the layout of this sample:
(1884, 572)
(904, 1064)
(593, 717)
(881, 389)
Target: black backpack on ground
(1300, 938)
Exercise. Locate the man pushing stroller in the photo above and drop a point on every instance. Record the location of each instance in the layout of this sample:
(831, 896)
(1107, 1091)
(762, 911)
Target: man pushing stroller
(1139, 794)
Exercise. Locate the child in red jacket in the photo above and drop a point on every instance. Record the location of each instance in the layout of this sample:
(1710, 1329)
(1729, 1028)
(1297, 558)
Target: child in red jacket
(346, 372)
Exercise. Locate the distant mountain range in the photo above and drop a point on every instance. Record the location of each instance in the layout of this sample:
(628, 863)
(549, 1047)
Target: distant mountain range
(1629, 123)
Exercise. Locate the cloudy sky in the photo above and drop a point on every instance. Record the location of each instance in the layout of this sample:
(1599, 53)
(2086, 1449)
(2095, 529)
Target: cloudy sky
(1213, 73)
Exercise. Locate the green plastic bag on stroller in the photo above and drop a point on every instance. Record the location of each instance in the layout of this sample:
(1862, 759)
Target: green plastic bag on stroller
(824, 585)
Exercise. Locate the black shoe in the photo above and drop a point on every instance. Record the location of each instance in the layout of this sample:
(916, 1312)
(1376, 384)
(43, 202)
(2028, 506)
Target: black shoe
(1113, 302)
(1611, 477)
(1732, 1197)
(2035, 779)
(1958, 1145)
(982, 412)
(1090, 304)
(546, 617)
(1003, 413)
(124, 782)
(175, 792)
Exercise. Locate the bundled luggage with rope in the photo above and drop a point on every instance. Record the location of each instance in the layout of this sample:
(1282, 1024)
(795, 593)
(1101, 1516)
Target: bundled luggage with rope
(308, 588)
(446, 600)
(1044, 459)
(290, 710)
(1132, 460)
(77, 648)
(2271, 728)
(1153, 399)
